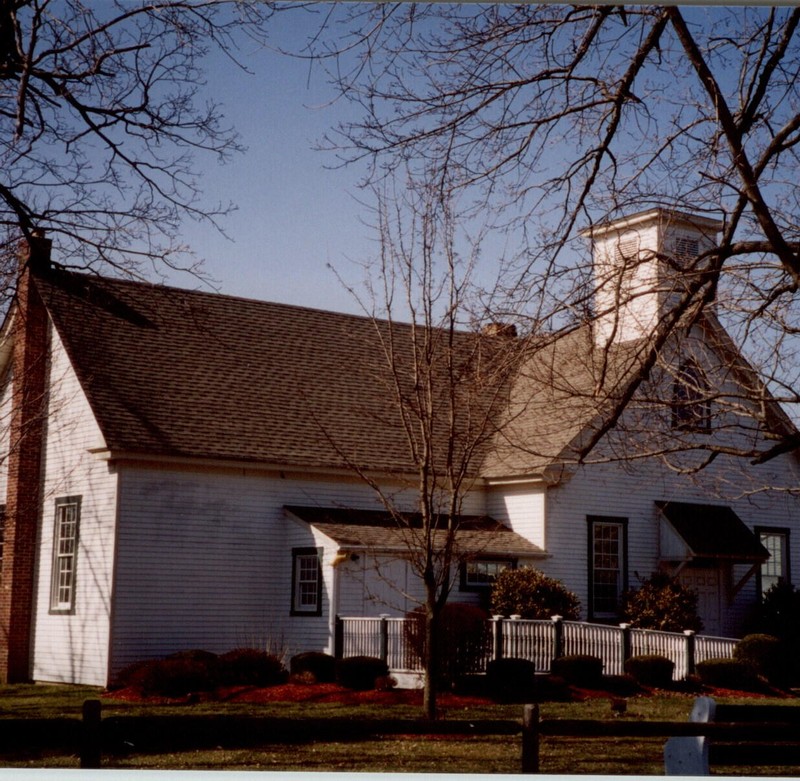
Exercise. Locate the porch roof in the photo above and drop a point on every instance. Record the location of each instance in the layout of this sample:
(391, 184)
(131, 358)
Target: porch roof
(477, 535)
(713, 532)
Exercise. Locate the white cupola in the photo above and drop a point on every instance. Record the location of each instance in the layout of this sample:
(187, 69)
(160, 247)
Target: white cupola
(637, 266)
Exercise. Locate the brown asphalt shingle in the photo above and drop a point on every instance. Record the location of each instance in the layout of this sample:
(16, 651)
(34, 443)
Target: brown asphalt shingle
(375, 529)
(170, 372)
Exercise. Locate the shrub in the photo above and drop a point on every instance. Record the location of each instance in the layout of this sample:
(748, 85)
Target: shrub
(463, 638)
(728, 674)
(511, 680)
(661, 602)
(251, 667)
(766, 655)
(579, 669)
(650, 669)
(532, 594)
(360, 672)
(779, 613)
(177, 675)
(131, 676)
(315, 663)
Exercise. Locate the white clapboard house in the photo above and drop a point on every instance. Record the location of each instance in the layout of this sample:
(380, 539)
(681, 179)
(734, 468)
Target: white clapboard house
(178, 467)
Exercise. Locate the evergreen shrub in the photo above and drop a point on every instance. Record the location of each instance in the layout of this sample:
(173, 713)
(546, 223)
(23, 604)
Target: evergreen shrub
(729, 674)
(650, 669)
(177, 675)
(360, 672)
(529, 593)
(251, 667)
(320, 665)
(579, 669)
(766, 655)
(661, 602)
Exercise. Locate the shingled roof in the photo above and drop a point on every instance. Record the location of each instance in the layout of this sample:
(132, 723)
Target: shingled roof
(171, 372)
(376, 529)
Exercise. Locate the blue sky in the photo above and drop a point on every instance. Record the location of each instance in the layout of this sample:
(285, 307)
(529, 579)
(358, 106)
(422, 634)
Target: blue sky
(295, 215)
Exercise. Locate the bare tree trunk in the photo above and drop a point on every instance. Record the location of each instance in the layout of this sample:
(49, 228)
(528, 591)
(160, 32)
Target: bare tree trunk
(431, 660)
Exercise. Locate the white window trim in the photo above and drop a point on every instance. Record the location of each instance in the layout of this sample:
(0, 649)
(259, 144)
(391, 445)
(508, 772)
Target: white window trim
(471, 585)
(595, 522)
(299, 555)
(66, 535)
(785, 564)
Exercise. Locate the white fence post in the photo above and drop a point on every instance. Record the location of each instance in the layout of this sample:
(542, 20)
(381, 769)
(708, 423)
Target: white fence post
(497, 637)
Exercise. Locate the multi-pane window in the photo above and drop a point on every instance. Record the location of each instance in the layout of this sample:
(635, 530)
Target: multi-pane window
(691, 408)
(482, 573)
(607, 565)
(307, 581)
(65, 551)
(776, 567)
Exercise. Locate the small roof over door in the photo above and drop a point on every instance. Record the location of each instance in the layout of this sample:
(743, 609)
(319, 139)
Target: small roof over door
(707, 531)
(477, 535)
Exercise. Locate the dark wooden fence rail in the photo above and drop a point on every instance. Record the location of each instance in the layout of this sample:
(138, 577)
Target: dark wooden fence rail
(95, 736)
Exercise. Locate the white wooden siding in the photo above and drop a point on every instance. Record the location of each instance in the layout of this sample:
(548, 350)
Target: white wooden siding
(631, 490)
(522, 509)
(74, 648)
(205, 561)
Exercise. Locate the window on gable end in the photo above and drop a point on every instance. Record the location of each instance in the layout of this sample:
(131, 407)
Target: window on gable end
(691, 406)
(65, 554)
(306, 582)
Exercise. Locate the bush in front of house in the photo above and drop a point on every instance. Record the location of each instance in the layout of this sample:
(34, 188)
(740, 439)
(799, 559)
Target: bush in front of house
(778, 613)
(251, 667)
(361, 672)
(729, 674)
(661, 602)
(650, 669)
(529, 593)
(463, 639)
(314, 665)
(579, 669)
(177, 675)
(511, 680)
(765, 654)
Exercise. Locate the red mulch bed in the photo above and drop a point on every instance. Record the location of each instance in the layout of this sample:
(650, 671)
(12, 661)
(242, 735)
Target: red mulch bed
(332, 692)
(296, 692)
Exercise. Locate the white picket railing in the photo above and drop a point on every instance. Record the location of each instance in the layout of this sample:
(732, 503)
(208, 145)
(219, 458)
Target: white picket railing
(531, 640)
(537, 641)
(669, 644)
(605, 642)
(713, 648)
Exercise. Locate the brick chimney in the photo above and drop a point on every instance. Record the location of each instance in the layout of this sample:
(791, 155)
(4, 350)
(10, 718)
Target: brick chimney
(26, 427)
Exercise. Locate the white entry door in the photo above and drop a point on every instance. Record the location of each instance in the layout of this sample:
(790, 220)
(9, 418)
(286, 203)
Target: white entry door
(706, 582)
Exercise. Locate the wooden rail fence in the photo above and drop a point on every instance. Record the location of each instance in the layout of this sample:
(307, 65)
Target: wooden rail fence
(749, 731)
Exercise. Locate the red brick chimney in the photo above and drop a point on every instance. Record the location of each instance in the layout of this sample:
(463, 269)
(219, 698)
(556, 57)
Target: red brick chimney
(28, 397)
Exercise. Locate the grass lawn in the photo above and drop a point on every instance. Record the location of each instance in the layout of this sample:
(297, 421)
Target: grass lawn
(395, 753)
